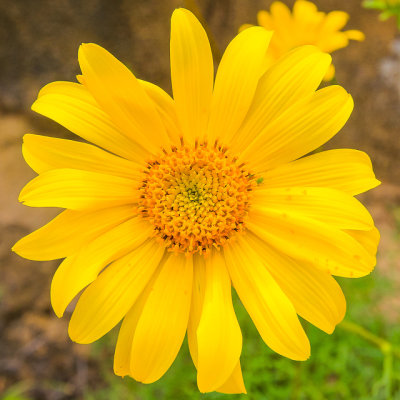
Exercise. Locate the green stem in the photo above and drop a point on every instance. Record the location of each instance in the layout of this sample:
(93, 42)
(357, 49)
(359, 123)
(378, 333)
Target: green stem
(194, 7)
(383, 344)
(388, 374)
(387, 348)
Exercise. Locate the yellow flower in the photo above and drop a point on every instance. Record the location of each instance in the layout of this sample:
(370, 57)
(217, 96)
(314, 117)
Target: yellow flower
(177, 199)
(305, 25)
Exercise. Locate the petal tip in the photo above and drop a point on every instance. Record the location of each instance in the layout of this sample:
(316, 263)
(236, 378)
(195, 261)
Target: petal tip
(57, 306)
(16, 249)
(74, 335)
(244, 26)
(304, 350)
(27, 137)
(34, 106)
(119, 370)
(259, 31)
(22, 197)
(59, 313)
(84, 48)
(180, 11)
(202, 385)
(86, 45)
(304, 356)
(328, 57)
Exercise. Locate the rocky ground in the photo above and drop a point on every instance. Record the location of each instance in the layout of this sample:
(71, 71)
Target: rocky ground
(38, 44)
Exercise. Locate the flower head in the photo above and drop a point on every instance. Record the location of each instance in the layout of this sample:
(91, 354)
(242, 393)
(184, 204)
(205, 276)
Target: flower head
(305, 25)
(175, 200)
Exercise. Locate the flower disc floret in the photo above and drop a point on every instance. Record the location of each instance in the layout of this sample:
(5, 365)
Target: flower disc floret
(196, 197)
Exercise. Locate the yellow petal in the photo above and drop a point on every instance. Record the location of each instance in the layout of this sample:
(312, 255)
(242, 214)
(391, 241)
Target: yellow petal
(297, 236)
(296, 75)
(235, 383)
(315, 295)
(199, 284)
(244, 26)
(334, 21)
(271, 311)
(303, 127)
(306, 21)
(192, 73)
(281, 12)
(218, 334)
(78, 190)
(368, 239)
(106, 301)
(283, 26)
(330, 74)
(119, 93)
(166, 109)
(304, 10)
(122, 356)
(69, 231)
(162, 323)
(333, 207)
(43, 153)
(82, 268)
(335, 41)
(71, 105)
(354, 34)
(238, 74)
(344, 169)
(264, 19)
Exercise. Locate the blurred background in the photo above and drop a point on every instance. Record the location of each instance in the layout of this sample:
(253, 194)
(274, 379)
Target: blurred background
(39, 41)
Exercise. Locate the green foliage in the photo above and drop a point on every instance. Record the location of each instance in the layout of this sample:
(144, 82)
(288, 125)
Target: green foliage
(389, 8)
(16, 392)
(343, 366)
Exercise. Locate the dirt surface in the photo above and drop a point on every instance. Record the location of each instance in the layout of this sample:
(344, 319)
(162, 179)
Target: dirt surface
(38, 44)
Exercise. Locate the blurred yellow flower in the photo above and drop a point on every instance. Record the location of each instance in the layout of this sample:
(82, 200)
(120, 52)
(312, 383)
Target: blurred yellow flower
(177, 199)
(305, 25)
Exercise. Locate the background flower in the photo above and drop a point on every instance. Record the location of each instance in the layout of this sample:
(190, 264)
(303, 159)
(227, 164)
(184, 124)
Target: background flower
(305, 25)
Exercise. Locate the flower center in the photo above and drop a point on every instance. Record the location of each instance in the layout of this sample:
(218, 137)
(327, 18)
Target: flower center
(196, 197)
